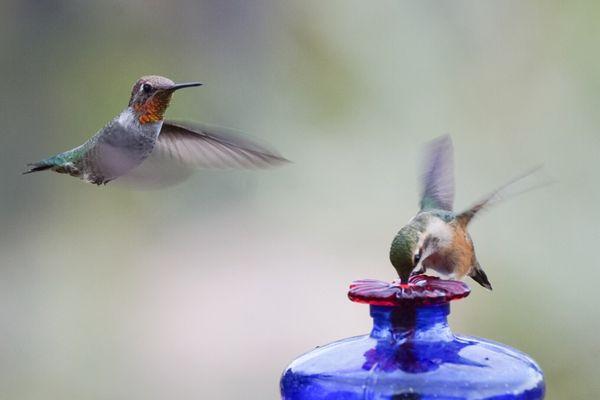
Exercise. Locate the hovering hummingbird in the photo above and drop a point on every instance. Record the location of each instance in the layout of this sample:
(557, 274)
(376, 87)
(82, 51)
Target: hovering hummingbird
(437, 238)
(139, 135)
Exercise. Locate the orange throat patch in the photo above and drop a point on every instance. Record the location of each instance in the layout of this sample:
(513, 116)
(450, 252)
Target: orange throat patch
(153, 110)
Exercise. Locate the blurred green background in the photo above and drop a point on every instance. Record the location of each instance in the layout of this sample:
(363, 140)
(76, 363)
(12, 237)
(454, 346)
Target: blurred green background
(210, 288)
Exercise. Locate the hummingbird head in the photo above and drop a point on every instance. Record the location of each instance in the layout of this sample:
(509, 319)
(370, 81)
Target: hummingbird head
(420, 241)
(151, 95)
(405, 253)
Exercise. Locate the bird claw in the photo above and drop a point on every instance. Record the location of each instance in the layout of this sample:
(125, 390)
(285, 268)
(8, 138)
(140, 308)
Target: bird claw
(416, 272)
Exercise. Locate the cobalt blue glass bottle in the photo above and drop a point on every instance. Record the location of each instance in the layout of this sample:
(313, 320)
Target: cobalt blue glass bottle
(411, 353)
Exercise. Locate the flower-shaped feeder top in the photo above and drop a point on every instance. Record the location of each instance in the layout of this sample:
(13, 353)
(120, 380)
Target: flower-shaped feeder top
(420, 290)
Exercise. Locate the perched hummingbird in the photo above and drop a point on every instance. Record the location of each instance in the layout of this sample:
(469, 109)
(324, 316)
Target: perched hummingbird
(139, 135)
(437, 238)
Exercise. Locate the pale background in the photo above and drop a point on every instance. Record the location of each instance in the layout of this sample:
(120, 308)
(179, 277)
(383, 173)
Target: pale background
(209, 289)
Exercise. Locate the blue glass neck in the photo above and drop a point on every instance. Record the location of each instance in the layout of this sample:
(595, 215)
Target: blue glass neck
(415, 323)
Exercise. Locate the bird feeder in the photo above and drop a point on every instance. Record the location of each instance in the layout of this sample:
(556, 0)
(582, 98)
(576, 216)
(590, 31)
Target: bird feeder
(411, 353)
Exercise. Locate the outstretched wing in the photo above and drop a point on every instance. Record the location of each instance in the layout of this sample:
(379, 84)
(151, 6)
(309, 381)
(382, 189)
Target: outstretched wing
(204, 146)
(525, 182)
(182, 147)
(438, 175)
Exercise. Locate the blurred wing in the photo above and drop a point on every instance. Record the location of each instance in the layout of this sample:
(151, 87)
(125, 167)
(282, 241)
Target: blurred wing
(155, 172)
(183, 147)
(523, 183)
(438, 175)
(203, 146)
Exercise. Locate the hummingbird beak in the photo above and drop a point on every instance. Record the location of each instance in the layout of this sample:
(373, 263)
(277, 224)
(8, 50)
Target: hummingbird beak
(178, 86)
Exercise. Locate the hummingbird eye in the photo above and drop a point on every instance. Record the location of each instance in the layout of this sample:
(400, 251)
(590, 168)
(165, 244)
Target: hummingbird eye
(147, 88)
(417, 257)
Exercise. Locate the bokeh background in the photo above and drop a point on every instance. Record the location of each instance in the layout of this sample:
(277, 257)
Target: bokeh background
(210, 288)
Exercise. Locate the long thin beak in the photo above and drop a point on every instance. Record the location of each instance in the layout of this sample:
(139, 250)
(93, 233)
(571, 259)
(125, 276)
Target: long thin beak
(178, 86)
